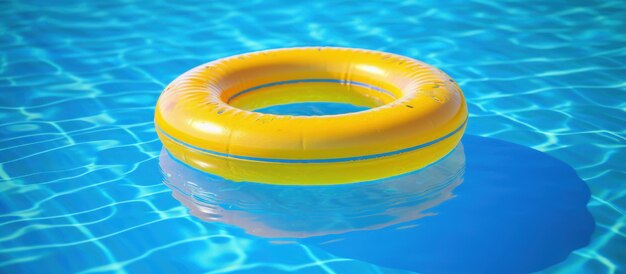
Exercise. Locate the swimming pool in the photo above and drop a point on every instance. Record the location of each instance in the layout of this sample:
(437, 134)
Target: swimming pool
(82, 189)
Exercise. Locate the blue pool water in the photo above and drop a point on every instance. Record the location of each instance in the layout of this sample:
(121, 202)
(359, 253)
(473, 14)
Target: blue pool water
(311, 109)
(539, 184)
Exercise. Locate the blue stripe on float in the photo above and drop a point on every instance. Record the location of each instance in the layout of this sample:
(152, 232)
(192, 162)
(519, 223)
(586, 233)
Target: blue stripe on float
(311, 81)
(329, 160)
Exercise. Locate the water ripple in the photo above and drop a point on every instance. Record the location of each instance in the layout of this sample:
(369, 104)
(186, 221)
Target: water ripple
(77, 143)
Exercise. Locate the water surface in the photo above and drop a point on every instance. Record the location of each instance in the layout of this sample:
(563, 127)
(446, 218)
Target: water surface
(79, 157)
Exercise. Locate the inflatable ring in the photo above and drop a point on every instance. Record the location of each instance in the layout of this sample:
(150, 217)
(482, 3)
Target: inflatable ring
(206, 119)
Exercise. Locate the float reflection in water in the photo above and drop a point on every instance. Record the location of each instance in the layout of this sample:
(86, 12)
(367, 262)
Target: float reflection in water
(288, 211)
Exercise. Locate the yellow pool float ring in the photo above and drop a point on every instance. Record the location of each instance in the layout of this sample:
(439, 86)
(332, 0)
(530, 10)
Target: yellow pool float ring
(205, 118)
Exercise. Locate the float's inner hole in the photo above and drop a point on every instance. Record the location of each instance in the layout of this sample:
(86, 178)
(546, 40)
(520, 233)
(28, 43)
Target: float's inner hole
(310, 97)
